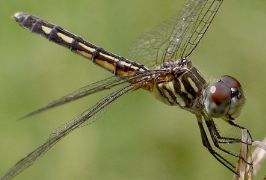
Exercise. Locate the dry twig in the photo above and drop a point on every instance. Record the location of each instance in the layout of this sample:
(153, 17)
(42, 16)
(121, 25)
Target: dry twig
(247, 171)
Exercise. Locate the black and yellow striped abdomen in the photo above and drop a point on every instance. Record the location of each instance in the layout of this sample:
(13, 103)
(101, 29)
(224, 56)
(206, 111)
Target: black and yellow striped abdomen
(116, 64)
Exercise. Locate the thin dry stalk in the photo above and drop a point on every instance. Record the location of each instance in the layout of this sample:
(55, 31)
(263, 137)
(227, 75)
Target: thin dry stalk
(245, 170)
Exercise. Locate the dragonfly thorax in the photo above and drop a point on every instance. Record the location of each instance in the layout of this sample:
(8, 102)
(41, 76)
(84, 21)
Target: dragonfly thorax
(224, 98)
(182, 87)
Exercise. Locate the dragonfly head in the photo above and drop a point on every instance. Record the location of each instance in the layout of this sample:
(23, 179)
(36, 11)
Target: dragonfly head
(224, 98)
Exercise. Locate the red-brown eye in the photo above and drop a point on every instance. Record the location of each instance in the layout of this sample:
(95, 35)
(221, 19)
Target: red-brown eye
(230, 81)
(224, 98)
(217, 99)
(220, 93)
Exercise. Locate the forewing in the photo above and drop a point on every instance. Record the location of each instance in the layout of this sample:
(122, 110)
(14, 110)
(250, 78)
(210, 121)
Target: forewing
(198, 29)
(149, 47)
(82, 92)
(102, 85)
(178, 36)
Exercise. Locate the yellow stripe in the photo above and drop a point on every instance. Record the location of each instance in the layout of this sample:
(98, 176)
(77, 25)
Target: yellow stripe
(108, 57)
(65, 38)
(193, 85)
(105, 64)
(178, 98)
(91, 50)
(85, 54)
(46, 30)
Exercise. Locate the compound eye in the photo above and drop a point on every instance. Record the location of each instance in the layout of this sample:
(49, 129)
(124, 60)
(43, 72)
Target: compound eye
(233, 84)
(217, 99)
(220, 93)
(230, 82)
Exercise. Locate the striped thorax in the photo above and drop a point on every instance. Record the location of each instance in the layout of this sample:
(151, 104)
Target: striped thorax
(182, 87)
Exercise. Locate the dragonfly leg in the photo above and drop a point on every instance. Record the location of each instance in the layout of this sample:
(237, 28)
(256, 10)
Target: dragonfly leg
(217, 139)
(206, 143)
(241, 127)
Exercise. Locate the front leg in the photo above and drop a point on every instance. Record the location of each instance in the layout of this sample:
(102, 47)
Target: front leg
(217, 139)
(243, 128)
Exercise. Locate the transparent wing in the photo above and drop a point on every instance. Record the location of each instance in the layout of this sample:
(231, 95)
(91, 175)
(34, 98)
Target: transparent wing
(177, 37)
(63, 131)
(137, 81)
(102, 85)
(82, 92)
(149, 47)
(199, 28)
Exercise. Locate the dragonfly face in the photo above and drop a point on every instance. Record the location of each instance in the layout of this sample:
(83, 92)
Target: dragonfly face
(224, 98)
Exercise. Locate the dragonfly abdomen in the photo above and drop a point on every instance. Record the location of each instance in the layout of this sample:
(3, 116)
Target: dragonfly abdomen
(116, 64)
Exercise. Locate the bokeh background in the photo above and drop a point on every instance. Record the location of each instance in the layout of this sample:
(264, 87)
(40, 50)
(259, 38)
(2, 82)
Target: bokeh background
(138, 137)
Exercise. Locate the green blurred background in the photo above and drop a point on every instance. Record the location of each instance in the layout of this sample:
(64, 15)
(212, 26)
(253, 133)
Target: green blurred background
(137, 138)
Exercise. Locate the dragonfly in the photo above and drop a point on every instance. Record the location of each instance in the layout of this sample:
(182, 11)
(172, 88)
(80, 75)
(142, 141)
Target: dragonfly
(167, 73)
